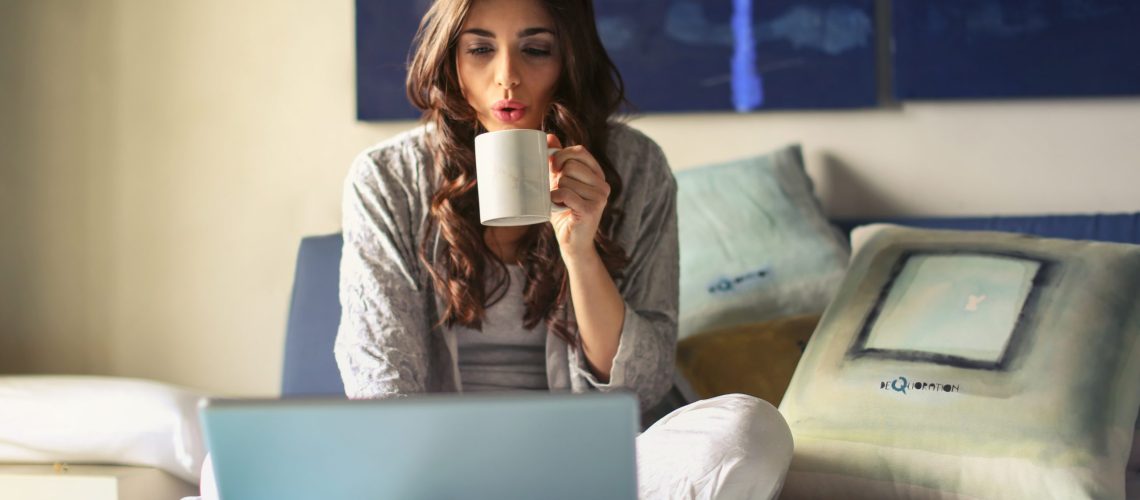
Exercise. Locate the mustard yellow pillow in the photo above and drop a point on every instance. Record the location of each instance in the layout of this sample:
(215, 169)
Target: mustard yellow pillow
(755, 358)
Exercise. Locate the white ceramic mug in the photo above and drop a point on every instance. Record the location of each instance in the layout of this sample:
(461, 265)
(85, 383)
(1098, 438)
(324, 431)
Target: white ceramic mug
(514, 177)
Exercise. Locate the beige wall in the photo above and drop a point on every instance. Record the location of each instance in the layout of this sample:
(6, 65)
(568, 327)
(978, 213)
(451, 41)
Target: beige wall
(53, 87)
(162, 159)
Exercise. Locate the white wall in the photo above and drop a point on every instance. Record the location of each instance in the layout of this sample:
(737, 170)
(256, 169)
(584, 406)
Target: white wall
(162, 160)
(1000, 157)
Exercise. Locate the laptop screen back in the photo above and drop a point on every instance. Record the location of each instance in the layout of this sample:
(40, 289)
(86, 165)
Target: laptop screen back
(425, 447)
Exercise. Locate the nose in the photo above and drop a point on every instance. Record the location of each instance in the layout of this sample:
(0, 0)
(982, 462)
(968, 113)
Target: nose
(506, 72)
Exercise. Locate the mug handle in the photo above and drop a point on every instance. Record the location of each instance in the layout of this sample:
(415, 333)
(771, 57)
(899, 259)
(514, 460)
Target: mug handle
(554, 207)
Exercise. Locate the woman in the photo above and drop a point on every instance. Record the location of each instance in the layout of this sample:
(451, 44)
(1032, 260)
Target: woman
(433, 301)
(587, 302)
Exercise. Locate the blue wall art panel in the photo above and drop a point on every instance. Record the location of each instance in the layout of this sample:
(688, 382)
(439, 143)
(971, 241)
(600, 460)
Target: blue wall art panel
(677, 55)
(743, 55)
(1015, 48)
(384, 31)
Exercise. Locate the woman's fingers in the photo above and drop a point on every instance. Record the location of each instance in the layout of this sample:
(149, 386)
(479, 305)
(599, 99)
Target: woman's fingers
(577, 155)
(586, 191)
(552, 141)
(577, 170)
(576, 178)
(570, 199)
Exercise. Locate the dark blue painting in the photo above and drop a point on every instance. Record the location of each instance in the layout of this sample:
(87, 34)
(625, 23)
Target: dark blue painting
(384, 31)
(676, 55)
(1015, 48)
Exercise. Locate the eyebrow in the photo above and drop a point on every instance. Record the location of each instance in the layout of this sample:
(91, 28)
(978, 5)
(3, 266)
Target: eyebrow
(521, 34)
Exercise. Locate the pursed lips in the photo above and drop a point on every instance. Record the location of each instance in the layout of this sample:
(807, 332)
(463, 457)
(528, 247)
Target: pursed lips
(508, 110)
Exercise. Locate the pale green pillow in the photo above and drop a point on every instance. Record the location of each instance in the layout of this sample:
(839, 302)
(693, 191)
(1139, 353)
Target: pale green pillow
(755, 245)
(970, 364)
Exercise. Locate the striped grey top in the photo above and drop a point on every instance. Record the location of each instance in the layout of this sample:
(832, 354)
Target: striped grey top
(389, 344)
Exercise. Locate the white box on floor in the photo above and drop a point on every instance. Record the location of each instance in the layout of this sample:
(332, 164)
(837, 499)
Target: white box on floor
(90, 482)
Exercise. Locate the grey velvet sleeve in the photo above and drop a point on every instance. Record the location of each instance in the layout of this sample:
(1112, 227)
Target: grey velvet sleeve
(381, 345)
(644, 362)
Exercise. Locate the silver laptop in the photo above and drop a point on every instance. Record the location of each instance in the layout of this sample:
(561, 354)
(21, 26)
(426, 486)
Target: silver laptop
(549, 446)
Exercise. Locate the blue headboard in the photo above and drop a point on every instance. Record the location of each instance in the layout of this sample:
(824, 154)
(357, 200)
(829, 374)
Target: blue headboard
(1120, 228)
(314, 311)
(314, 314)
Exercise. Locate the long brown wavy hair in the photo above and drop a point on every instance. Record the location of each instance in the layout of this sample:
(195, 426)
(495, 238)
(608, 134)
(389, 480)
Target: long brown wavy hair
(589, 92)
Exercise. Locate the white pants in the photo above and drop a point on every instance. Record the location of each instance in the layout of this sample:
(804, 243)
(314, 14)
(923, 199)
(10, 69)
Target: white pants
(728, 447)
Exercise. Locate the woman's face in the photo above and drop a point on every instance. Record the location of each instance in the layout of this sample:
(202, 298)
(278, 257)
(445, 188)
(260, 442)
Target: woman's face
(509, 62)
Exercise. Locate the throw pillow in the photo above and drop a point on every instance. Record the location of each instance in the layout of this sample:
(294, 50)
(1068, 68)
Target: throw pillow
(971, 364)
(754, 243)
(757, 359)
